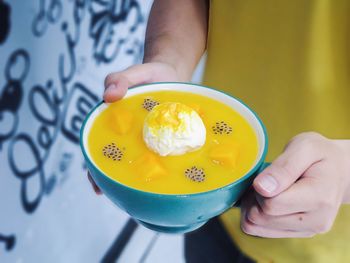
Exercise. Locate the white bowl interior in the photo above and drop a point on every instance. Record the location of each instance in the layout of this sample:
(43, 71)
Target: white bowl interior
(196, 89)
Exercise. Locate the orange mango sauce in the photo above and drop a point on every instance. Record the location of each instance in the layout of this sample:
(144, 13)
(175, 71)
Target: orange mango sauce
(224, 158)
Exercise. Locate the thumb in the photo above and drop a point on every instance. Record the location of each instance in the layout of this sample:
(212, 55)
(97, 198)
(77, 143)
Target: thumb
(118, 83)
(297, 157)
(116, 88)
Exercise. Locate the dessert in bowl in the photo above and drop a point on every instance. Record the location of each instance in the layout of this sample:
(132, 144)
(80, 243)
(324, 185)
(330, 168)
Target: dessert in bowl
(173, 155)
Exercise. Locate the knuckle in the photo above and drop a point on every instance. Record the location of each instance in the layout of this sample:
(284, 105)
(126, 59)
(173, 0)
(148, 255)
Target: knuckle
(308, 136)
(324, 227)
(110, 77)
(309, 140)
(308, 145)
(325, 204)
(247, 227)
(255, 216)
(287, 169)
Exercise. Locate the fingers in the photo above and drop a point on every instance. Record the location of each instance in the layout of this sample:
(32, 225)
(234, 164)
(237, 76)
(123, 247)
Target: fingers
(292, 222)
(298, 156)
(301, 222)
(256, 230)
(305, 195)
(262, 215)
(300, 197)
(93, 184)
(255, 222)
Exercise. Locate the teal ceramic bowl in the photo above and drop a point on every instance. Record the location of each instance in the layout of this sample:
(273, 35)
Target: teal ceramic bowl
(173, 213)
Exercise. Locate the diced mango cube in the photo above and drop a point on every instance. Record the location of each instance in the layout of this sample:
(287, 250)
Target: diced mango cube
(149, 167)
(122, 121)
(225, 154)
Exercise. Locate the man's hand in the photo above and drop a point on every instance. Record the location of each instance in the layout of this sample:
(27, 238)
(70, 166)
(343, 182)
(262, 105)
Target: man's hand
(299, 195)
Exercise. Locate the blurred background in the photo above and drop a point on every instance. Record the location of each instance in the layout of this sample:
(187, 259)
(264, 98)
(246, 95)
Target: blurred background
(54, 55)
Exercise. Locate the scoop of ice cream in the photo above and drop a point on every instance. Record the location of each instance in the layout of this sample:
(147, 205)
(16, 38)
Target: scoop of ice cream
(173, 128)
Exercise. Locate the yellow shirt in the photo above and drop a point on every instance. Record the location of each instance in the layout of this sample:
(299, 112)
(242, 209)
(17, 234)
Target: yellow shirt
(289, 61)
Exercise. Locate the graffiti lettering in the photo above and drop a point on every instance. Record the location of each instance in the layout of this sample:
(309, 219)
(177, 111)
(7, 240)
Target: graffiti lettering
(50, 13)
(16, 70)
(5, 12)
(9, 241)
(106, 16)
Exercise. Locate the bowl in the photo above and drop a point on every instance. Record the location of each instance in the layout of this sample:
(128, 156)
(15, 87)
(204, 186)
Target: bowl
(176, 213)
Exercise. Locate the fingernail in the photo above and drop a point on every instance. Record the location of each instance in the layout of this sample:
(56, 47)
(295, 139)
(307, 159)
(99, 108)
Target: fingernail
(267, 182)
(111, 86)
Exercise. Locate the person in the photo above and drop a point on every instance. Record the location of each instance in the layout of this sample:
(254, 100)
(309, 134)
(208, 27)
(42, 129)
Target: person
(289, 61)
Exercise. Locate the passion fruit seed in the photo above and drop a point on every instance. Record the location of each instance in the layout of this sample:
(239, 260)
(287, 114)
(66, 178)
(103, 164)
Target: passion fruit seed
(148, 104)
(222, 128)
(195, 174)
(113, 152)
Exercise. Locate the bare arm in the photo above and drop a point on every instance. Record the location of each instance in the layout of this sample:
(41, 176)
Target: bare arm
(177, 34)
(175, 40)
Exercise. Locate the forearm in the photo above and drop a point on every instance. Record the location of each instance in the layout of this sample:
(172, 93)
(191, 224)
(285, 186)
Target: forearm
(176, 34)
